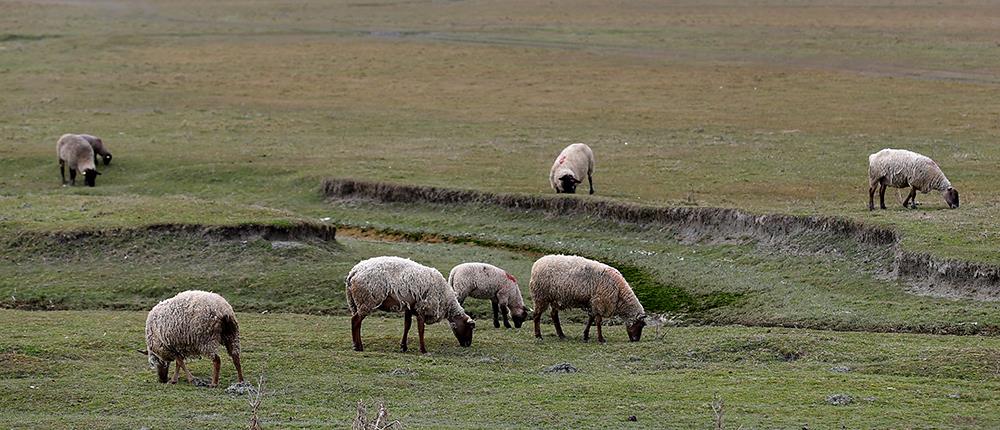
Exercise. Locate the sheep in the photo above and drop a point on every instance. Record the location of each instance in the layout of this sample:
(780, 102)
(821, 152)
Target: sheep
(75, 152)
(569, 168)
(191, 324)
(485, 281)
(99, 149)
(397, 284)
(565, 281)
(900, 168)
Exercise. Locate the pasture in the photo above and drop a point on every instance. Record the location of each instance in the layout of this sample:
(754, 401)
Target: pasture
(224, 114)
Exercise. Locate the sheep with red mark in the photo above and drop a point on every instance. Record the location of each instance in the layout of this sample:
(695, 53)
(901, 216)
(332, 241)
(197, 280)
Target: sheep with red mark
(397, 284)
(570, 166)
(567, 281)
(488, 282)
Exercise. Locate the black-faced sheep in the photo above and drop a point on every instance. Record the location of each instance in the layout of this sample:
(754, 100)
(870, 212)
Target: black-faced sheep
(76, 153)
(564, 281)
(397, 284)
(99, 149)
(488, 282)
(570, 166)
(188, 325)
(900, 168)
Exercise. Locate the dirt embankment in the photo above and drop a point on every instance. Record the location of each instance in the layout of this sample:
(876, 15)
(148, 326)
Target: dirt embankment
(247, 231)
(926, 274)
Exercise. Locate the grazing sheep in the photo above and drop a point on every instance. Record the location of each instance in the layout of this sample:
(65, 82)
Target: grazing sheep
(74, 152)
(99, 149)
(397, 284)
(569, 168)
(485, 281)
(900, 168)
(565, 281)
(191, 324)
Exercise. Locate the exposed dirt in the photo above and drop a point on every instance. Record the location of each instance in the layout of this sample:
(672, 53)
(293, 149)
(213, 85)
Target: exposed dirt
(926, 274)
(272, 232)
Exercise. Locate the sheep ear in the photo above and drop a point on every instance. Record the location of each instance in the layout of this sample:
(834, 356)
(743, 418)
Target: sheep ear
(642, 317)
(142, 351)
(96, 172)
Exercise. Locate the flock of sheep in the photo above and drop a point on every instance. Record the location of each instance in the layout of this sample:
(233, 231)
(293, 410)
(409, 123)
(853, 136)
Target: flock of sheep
(195, 323)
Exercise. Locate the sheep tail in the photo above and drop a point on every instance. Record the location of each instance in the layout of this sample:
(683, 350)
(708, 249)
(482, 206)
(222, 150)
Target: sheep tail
(350, 300)
(231, 334)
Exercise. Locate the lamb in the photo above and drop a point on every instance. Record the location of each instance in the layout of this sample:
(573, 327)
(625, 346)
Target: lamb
(191, 324)
(99, 149)
(900, 168)
(564, 281)
(397, 284)
(569, 168)
(75, 152)
(485, 281)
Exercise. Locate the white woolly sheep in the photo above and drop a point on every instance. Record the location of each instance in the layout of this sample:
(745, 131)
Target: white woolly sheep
(397, 284)
(565, 281)
(900, 168)
(488, 282)
(189, 325)
(572, 163)
(99, 149)
(76, 153)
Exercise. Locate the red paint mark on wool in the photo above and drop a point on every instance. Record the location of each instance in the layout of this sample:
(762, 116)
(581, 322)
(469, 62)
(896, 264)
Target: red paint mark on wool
(562, 159)
(511, 277)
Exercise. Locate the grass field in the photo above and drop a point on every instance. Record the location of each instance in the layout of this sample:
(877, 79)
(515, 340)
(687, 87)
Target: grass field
(222, 113)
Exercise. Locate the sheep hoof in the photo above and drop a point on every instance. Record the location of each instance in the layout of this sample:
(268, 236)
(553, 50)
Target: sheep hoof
(402, 348)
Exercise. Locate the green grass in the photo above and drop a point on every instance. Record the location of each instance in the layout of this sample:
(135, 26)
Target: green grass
(223, 113)
(71, 369)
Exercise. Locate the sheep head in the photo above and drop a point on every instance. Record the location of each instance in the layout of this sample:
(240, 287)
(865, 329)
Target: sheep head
(155, 362)
(462, 326)
(635, 328)
(90, 177)
(107, 158)
(519, 315)
(951, 197)
(568, 184)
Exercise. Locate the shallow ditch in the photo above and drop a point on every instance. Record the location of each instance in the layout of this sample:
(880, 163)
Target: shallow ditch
(925, 274)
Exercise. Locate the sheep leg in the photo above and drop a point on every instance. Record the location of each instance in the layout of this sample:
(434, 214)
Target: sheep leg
(420, 333)
(72, 176)
(871, 197)
(216, 364)
(187, 373)
(496, 313)
(912, 198)
(407, 321)
(539, 310)
(177, 372)
(881, 197)
(555, 322)
(600, 336)
(62, 171)
(232, 347)
(239, 368)
(586, 330)
(504, 311)
(356, 331)
(590, 180)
